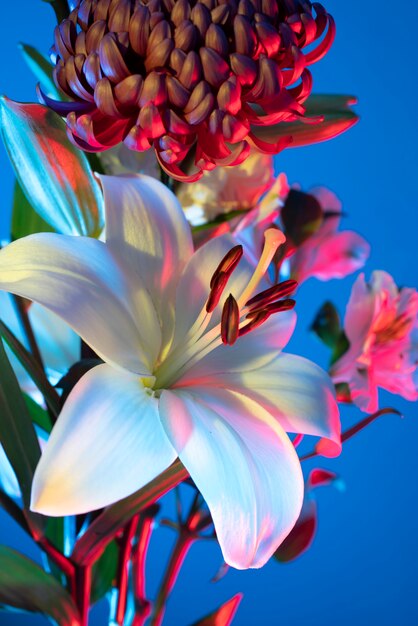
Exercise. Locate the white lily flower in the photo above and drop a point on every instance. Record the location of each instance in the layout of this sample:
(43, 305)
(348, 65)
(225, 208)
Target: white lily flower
(169, 386)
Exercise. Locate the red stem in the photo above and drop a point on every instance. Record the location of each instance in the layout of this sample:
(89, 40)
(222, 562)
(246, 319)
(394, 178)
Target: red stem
(143, 606)
(123, 568)
(181, 548)
(82, 593)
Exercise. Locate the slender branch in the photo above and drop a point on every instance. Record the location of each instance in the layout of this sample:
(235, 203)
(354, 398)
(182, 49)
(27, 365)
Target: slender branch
(58, 557)
(23, 316)
(350, 432)
(142, 604)
(123, 569)
(188, 534)
(180, 550)
(82, 592)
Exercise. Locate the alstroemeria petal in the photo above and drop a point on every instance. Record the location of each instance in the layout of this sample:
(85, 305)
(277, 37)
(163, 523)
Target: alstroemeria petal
(146, 225)
(107, 443)
(79, 280)
(298, 393)
(334, 256)
(244, 465)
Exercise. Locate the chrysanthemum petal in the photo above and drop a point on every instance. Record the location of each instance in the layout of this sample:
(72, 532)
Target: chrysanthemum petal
(79, 280)
(244, 465)
(107, 443)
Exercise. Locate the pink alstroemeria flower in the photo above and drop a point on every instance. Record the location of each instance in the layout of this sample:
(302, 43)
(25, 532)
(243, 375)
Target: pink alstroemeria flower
(169, 386)
(327, 253)
(379, 322)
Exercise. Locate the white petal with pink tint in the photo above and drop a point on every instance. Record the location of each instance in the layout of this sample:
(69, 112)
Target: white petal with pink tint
(107, 443)
(243, 463)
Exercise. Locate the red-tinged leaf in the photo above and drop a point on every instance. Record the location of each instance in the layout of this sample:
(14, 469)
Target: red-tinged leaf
(105, 527)
(301, 536)
(338, 118)
(26, 587)
(25, 220)
(55, 176)
(224, 615)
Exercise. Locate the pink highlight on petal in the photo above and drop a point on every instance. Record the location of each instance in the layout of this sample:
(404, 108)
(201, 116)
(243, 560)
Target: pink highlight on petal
(380, 322)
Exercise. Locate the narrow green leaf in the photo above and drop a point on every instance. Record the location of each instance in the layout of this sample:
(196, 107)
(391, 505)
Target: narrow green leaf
(219, 219)
(25, 220)
(39, 416)
(338, 118)
(25, 586)
(17, 434)
(33, 369)
(113, 518)
(104, 572)
(224, 615)
(41, 67)
(54, 175)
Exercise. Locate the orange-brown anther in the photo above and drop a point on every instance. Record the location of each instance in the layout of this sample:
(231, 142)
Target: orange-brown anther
(217, 288)
(228, 263)
(248, 55)
(272, 294)
(230, 321)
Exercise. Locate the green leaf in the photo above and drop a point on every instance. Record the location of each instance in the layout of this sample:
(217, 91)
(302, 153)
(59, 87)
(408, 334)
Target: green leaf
(301, 216)
(54, 175)
(60, 7)
(224, 615)
(338, 118)
(33, 369)
(25, 586)
(104, 528)
(17, 434)
(327, 325)
(42, 68)
(104, 572)
(39, 416)
(219, 219)
(25, 220)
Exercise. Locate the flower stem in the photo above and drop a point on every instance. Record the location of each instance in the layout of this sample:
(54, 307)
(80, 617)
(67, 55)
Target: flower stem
(123, 569)
(180, 550)
(82, 592)
(144, 532)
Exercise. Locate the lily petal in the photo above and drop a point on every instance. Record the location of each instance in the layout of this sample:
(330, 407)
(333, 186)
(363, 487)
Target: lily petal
(248, 353)
(244, 465)
(78, 279)
(295, 391)
(194, 284)
(107, 443)
(145, 224)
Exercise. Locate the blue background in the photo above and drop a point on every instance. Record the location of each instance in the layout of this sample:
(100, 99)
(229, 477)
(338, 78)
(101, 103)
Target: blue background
(363, 565)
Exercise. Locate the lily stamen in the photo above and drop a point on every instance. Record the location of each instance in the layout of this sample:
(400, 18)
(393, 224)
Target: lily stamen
(273, 238)
(230, 321)
(286, 288)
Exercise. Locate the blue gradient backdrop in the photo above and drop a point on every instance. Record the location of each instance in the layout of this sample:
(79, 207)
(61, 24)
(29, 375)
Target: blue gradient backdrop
(363, 566)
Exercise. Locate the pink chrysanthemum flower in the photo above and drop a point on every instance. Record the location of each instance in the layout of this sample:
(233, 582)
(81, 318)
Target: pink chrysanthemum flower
(188, 78)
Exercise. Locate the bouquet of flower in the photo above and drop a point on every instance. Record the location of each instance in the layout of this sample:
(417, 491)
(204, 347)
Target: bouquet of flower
(149, 292)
